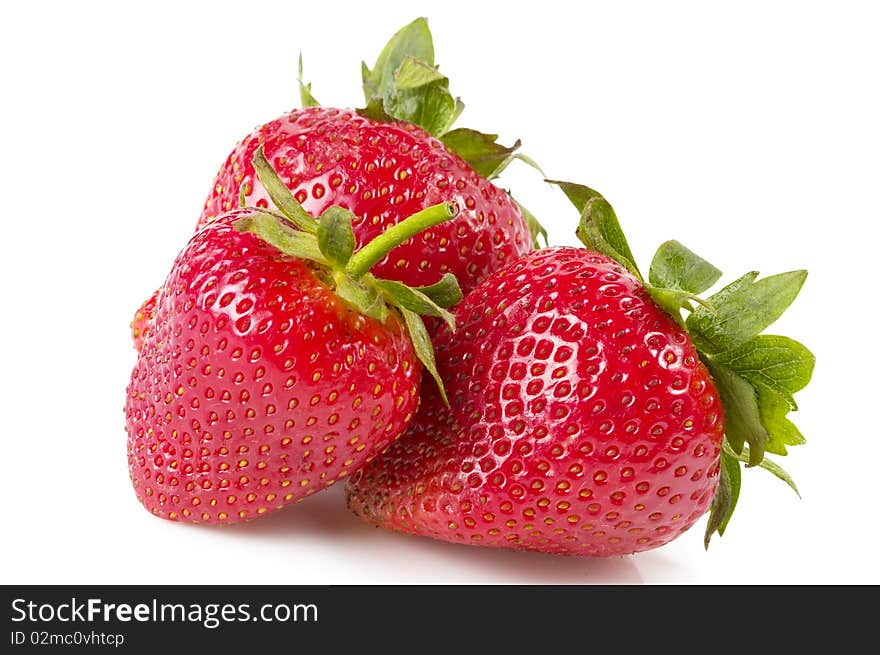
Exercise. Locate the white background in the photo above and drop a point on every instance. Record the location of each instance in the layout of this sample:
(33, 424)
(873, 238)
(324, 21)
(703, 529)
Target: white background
(750, 133)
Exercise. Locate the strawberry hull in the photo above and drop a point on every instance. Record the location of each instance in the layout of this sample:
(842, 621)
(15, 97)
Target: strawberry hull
(582, 421)
(256, 385)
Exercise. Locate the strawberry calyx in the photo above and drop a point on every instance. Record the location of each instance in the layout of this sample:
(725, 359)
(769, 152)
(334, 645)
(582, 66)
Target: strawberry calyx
(406, 85)
(756, 374)
(329, 244)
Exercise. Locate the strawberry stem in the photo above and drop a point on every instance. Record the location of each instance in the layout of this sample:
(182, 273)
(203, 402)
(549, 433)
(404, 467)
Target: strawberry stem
(365, 258)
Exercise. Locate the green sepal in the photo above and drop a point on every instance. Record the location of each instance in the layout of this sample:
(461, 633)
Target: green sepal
(726, 497)
(767, 464)
(538, 231)
(363, 295)
(405, 85)
(306, 99)
(483, 152)
(413, 40)
(730, 480)
(733, 470)
(410, 298)
(292, 242)
(676, 276)
(744, 309)
(421, 341)
(782, 365)
(335, 236)
(672, 301)
(741, 412)
(421, 96)
(375, 109)
(578, 194)
(281, 195)
(445, 293)
(677, 267)
(600, 230)
(774, 410)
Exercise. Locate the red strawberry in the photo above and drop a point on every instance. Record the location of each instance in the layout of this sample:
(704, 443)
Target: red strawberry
(275, 364)
(389, 161)
(582, 418)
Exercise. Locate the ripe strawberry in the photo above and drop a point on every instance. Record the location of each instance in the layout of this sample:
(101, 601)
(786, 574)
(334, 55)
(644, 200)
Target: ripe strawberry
(275, 363)
(388, 161)
(583, 417)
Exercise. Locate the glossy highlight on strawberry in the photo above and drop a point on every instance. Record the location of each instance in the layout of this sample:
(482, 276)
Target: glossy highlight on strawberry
(582, 420)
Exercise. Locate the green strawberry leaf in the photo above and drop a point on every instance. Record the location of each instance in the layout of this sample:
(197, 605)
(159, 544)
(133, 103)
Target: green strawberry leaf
(733, 470)
(672, 301)
(335, 236)
(742, 414)
(405, 84)
(538, 232)
(421, 96)
(744, 309)
(487, 157)
(293, 242)
(730, 480)
(281, 195)
(414, 300)
(415, 73)
(676, 267)
(445, 293)
(482, 151)
(768, 465)
(578, 194)
(413, 40)
(725, 499)
(306, 99)
(422, 346)
(780, 364)
(774, 410)
(363, 296)
(375, 109)
(599, 228)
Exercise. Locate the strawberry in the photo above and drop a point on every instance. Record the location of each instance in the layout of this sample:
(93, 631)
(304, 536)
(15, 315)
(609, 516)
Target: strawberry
(586, 416)
(275, 363)
(387, 161)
